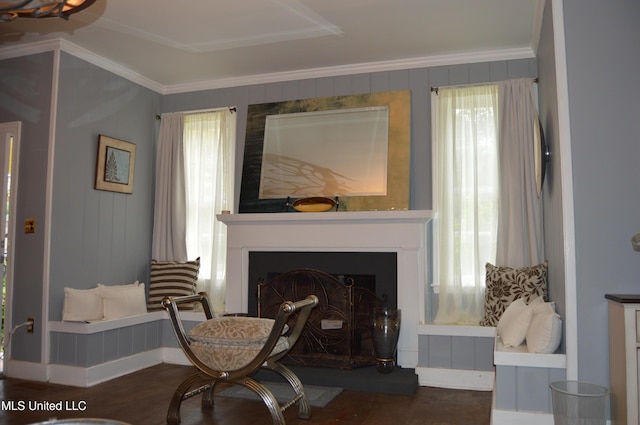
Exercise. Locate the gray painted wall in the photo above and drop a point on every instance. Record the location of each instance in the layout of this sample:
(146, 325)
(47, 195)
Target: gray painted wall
(455, 352)
(418, 81)
(25, 95)
(99, 236)
(525, 389)
(96, 237)
(86, 350)
(603, 65)
(103, 237)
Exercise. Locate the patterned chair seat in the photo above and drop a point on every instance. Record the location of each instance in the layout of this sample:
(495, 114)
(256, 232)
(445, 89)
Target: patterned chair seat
(231, 343)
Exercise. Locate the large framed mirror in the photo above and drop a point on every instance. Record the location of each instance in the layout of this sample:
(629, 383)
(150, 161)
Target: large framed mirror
(353, 147)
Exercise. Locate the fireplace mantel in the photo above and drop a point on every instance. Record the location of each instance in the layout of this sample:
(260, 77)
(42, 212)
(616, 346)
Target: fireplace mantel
(360, 217)
(402, 232)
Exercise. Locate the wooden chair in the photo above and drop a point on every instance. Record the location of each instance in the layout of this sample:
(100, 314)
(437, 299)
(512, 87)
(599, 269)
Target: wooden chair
(232, 349)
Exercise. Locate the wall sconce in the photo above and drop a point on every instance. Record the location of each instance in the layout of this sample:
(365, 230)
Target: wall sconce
(635, 242)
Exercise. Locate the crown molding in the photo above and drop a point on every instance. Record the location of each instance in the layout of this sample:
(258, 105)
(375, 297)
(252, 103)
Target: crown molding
(26, 49)
(63, 45)
(331, 71)
(109, 65)
(361, 68)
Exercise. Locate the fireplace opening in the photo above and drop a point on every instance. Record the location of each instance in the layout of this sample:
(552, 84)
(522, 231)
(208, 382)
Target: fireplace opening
(376, 271)
(349, 286)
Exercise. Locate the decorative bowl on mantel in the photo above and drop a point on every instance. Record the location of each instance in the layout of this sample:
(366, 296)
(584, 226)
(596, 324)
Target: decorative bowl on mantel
(313, 204)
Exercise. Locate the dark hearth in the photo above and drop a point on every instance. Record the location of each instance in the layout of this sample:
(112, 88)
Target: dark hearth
(338, 333)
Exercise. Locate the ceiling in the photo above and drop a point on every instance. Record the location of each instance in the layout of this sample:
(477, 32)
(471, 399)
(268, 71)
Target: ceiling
(191, 42)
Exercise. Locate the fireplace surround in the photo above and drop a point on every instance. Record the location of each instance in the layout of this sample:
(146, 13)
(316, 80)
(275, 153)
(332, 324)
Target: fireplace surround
(401, 232)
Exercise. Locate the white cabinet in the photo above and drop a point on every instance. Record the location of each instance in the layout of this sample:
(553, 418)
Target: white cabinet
(624, 359)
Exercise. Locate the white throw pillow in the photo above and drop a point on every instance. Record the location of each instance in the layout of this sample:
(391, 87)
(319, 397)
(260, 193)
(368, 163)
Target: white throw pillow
(545, 331)
(539, 305)
(123, 300)
(514, 322)
(81, 305)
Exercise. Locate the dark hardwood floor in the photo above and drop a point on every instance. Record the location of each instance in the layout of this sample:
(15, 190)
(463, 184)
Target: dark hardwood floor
(142, 398)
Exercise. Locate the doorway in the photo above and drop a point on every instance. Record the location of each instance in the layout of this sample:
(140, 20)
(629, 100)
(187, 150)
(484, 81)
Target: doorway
(9, 150)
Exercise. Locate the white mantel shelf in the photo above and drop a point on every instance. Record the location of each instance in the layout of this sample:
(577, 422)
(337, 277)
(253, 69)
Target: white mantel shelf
(371, 217)
(402, 232)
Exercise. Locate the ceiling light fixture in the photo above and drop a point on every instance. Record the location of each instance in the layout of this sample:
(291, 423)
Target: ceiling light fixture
(11, 9)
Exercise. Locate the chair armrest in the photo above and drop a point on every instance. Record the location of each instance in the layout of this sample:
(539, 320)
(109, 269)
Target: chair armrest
(305, 306)
(286, 309)
(172, 303)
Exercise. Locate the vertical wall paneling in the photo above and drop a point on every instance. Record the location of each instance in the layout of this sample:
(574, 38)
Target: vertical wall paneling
(343, 85)
(325, 87)
(506, 387)
(440, 351)
(361, 83)
(307, 89)
(290, 90)
(99, 236)
(483, 353)
(273, 92)
(94, 349)
(479, 72)
(463, 353)
(112, 232)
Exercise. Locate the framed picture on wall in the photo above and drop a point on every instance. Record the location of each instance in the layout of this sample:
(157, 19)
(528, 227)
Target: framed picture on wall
(116, 164)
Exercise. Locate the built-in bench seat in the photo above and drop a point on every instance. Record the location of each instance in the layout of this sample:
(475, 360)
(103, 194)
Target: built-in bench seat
(456, 356)
(519, 356)
(530, 375)
(105, 349)
(473, 357)
(105, 325)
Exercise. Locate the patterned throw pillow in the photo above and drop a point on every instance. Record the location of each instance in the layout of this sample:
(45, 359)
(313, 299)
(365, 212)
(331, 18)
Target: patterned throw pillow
(505, 285)
(173, 279)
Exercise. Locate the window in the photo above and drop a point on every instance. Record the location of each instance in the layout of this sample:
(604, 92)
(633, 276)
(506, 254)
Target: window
(465, 134)
(209, 158)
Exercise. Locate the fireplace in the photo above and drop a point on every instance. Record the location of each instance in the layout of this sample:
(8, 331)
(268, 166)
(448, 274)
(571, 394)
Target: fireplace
(375, 271)
(338, 333)
(402, 233)
(355, 283)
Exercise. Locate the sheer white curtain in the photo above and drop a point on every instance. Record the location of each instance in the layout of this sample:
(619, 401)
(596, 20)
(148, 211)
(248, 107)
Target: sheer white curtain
(209, 151)
(520, 232)
(466, 198)
(169, 214)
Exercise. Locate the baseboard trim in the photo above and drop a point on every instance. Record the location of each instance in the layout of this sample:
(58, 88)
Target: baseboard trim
(89, 376)
(78, 376)
(25, 370)
(175, 356)
(458, 379)
(510, 417)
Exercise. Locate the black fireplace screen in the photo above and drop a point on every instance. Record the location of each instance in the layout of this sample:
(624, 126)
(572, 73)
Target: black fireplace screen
(338, 332)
